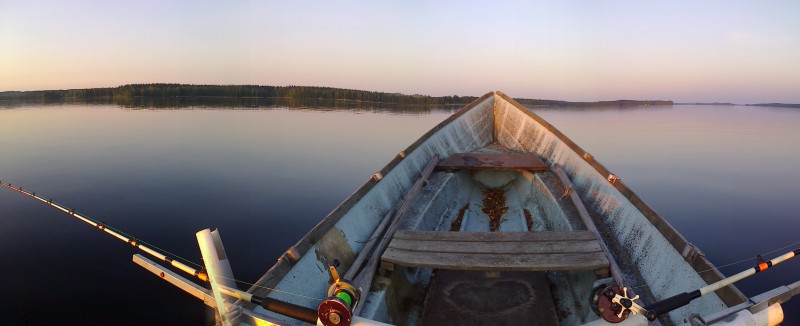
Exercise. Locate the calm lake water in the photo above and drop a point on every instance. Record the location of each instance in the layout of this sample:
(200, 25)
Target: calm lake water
(725, 176)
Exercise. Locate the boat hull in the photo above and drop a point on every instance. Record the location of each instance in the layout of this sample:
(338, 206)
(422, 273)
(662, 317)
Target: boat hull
(653, 256)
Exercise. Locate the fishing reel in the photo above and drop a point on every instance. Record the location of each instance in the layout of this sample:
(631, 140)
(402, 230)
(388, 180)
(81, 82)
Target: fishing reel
(614, 304)
(337, 308)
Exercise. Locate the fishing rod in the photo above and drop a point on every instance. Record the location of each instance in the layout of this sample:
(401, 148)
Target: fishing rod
(115, 233)
(336, 308)
(615, 304)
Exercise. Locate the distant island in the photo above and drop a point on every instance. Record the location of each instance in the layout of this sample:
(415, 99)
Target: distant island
(777, 105)
(618, 103)
(177, 91)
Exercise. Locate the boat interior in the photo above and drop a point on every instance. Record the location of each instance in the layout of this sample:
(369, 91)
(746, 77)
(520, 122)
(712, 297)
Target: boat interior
(492, 238)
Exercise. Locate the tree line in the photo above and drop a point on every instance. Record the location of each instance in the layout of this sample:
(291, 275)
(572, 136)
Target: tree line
(234, 91)
(177, 91)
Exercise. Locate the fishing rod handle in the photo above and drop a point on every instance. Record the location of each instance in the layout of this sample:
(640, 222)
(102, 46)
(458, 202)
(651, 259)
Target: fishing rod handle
(664, 306)
(288, 309)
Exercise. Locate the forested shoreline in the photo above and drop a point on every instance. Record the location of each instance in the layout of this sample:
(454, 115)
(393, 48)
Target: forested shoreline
(233, 91)
(177, 91)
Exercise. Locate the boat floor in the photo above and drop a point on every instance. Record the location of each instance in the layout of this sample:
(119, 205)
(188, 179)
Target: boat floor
(472, 298)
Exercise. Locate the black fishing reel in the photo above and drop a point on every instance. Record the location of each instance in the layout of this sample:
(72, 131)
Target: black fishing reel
(337, 308)
(614, 304)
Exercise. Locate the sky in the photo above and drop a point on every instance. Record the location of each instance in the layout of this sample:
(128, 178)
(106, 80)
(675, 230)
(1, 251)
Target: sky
(686, 51)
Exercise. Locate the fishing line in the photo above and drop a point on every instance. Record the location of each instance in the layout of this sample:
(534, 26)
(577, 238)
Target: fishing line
(137, 242)
(750, 259)
(179, 257)
(269, 288)
(783, 248)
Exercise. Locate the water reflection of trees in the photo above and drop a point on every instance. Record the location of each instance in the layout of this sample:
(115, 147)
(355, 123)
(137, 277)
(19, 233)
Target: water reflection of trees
(316, 104)
(221, 103)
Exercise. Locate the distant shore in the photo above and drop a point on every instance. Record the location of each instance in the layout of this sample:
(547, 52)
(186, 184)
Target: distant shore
(617, 103)
(180, 91)
(777, 105)
(708, 103)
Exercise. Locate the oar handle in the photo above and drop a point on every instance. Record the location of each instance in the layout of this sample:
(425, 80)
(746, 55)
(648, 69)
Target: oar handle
(664, 306)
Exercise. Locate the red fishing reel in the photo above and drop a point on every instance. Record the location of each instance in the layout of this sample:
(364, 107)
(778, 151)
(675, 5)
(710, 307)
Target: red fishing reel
(337, 308)
(334, 312)
(614, 304)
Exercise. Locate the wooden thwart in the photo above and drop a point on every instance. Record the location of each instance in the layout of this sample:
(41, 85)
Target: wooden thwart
(493, 236)
(497, 251)
(493, 161)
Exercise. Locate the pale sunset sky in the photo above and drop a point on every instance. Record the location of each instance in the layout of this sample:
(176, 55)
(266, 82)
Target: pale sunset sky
(686, 51)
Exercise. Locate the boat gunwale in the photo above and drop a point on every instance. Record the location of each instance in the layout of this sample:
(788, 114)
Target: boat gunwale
(730, 295)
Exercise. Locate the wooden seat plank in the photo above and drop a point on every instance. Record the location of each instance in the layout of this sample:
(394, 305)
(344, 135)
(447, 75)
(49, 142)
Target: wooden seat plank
(497, 251)
(493, 161)
(553, 247)
(495, 236)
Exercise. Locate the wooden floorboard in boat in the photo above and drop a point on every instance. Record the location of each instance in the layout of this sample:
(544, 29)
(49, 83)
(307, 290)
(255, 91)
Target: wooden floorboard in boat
(470, 298)
(493, 161)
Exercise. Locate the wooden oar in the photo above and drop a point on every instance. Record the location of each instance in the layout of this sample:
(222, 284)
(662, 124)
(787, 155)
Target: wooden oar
(616, 272)
(371, 242)
(364, 279)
